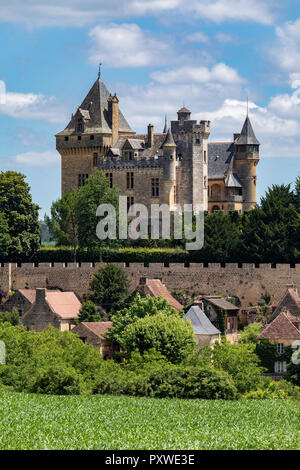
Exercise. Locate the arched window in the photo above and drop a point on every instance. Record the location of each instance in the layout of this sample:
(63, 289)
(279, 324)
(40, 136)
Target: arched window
(215, 208)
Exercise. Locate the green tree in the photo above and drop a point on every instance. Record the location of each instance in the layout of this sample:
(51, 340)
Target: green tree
(97, 191)
(5, 239)
(63, 224)
(250, 333)
(89, 312)
(12, 317)
(108, 286)
(169, 335)
(140, 308)
(297, 193)
(20, 213)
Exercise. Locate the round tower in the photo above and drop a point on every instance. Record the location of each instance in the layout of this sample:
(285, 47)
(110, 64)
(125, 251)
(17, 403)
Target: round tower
(246, 158)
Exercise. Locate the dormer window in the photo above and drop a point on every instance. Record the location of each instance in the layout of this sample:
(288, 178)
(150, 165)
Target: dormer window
(128, 155)
(80, 125)
(66, 138)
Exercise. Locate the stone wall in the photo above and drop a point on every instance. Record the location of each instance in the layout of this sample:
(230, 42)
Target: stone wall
(245, 281)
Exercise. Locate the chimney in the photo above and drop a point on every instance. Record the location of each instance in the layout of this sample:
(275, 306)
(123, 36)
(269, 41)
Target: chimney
(40, 296)
(113, 111)
(150, 135)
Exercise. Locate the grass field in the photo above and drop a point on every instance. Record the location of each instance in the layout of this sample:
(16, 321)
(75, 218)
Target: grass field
(106, 422)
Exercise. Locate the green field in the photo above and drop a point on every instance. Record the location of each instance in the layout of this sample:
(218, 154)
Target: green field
(106, 422)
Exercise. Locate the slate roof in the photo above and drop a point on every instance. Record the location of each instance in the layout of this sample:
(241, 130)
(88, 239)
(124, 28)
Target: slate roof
(94, 110)
(98, 328)
(247, 136)
(169, 141)
(219, 158)
(201, 324)
(220, 302)
(184, 110)
(280, 328)
(233, 181)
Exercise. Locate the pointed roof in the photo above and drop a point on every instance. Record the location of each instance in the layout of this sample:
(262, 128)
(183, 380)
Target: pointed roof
(247, 136)
(233, 181)
(94, 110)
(169, 141)
(166, 126)
(290, 301)
(201, 324)
(184, 110)
(280, 328)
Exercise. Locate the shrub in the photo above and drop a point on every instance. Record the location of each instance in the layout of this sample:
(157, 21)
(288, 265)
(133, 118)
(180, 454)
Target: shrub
(56, 380)
(250, 333)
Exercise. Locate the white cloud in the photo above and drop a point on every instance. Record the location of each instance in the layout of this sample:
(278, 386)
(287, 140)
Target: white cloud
(286, 51)
(197, 37)
(33, 159)
(79, 13)
(223, 38)
(219, 73)
(127, 45)
(32, 106)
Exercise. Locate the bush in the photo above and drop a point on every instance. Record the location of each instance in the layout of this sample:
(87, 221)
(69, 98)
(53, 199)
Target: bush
(250, 333)
(56, 380)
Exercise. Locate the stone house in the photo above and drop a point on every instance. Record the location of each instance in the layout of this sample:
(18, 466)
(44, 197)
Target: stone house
(22, 300)
(156, 288)
(205, 332)
(215, 305)
(92, 333)
(55, 308)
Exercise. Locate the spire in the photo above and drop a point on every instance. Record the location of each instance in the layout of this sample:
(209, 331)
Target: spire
(166, 126)
(99, 70)
(247, 136)
(169, 141)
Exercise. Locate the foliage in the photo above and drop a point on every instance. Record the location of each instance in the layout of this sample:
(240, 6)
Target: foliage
(20, 214)
(169, 335)
(241, 363)
(89, 312)
(267, 352)
(108, 286)
(12, 317)
(5, 239)
(56, 380)
(139, 308)
(250, 333)
(293, 373)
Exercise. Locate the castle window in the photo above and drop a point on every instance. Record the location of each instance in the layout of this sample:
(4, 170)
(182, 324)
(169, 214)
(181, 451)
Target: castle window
(197, 141)
(155, 187)
(128, 155)
(91, 137)
(240, 191)
(79, 125)
(130, 180)
(205, 182)
(280, 348)
(82, 178)
(79, 137)
(205, 156)
(95, 159)
(130, 202)
(215, 208)
(66, 138)
(110, 176)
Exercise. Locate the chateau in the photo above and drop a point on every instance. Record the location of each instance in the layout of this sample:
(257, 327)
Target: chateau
(176, 166)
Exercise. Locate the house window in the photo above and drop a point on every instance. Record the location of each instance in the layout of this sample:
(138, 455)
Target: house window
(130, 180)
(79, 137)
(110, 176)
(82, 178)
(66, 138)
(155, 187)
(130, 202)
(280, 367)
(91, 137)
(95, 159)
(280, 348)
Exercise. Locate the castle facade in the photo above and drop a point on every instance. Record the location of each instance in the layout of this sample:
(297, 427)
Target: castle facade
(176, 166)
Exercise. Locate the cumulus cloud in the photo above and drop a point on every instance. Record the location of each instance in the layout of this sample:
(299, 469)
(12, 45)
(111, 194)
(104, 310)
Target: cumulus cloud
(286, 51)
(219, 73)
(32, 106)
(127, 45)
(197, 37)
(33, 159)
(78, 13)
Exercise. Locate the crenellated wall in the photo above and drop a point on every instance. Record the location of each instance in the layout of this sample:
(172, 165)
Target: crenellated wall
(246, 281)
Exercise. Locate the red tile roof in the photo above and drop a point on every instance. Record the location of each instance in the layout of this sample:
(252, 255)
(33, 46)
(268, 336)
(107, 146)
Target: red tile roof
(98, 328)
(29, 294)
(280, 328)
(158, 289)
(65, 304)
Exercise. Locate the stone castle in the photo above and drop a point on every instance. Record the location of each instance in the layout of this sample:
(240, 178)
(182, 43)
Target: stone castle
(177, 166)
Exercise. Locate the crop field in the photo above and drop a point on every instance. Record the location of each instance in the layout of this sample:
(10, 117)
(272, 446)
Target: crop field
(107, 422)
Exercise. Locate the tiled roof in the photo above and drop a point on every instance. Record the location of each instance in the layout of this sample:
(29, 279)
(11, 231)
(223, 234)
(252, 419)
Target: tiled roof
(158, 289)
(98, 328)
(65, 304)
(201, 324)
(220, 302)
(219, 158)
(247, 136)
(94, 109)
(29, 294)
(290, 301)
(280, 328)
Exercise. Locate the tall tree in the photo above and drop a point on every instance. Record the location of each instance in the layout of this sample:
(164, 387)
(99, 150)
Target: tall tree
(20, 213)
(63, 224)
(5, 239)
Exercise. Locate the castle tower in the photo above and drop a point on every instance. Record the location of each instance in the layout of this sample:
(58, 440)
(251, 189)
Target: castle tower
(246, 158)
(169, 170)
(192, 175)
(92, 131)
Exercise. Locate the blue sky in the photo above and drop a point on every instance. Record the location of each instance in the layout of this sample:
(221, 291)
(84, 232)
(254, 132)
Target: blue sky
(157, 56)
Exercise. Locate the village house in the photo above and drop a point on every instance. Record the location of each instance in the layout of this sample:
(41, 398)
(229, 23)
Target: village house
(156, 288)
(59, 309)
(93, 333)
(21, 299)
(205, 332)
